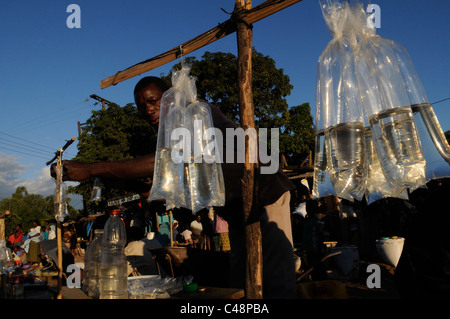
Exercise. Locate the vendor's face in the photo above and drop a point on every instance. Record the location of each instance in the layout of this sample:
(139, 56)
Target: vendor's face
(148, 103)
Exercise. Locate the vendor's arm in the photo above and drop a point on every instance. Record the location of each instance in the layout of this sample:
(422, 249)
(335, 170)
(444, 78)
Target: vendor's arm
(140, 167)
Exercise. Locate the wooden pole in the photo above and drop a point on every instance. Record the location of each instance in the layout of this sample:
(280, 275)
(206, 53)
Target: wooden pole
(249, 184)
(58, 157)
(58, 227)
(171, 225)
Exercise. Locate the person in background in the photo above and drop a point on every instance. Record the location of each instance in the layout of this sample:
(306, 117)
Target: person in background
(273, 202)
(187, 236)
(73, 239)
(34, 250)
(44, 235)
(52, 232)
(175, 231)
(139, 259)
(221, 228)
(197, 231)
(16, 237)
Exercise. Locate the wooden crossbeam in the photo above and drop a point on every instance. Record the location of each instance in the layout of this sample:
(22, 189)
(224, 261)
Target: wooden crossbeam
(223, 29)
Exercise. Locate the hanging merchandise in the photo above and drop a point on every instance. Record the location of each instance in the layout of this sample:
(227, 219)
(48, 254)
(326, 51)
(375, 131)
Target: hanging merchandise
(387, 107)
(96, 194)
(385, 115)
(435, 146)
(187, 172)
(168, 177)
(205, 170)
(61, 211)
(377, 186)
(340, 136)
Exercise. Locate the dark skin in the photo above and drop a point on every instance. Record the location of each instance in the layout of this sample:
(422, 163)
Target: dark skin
(148, 103)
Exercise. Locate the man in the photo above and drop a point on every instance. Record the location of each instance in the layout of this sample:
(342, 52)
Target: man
(273, 199)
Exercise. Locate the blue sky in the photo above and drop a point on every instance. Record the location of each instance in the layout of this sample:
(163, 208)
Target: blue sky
(48, 71)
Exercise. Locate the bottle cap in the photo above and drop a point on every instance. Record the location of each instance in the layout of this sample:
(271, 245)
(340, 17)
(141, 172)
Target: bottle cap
(115, 212)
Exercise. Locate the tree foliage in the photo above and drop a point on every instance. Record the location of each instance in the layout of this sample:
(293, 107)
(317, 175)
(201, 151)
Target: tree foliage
(116, 133)
(297, 138)
(119, 133)
(26, 207)
(217, 82)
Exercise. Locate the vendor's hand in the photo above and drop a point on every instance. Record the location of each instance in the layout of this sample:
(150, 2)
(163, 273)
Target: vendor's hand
(72, 171)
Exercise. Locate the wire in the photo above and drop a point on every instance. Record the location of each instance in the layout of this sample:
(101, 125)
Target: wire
(16, 151)
(440, 101)
(45, 149)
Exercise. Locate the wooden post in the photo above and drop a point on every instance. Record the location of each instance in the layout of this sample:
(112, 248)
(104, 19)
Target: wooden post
(59, 174)
(58, 227)
(171, 225)
(249, 180)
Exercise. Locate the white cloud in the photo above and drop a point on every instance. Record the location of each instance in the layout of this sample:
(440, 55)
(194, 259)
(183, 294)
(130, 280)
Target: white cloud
(11, 177)
(12, 174)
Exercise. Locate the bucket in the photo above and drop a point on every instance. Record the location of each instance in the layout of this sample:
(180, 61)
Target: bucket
(390, 249)
(347, 260)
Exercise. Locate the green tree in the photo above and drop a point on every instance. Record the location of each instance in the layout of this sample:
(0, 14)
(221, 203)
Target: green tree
(119, 133)
(217, 82)
(25, 208)
(116, 133)
(297, 138)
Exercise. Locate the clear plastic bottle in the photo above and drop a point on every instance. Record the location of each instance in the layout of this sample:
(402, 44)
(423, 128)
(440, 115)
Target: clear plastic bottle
(17, 281)
(94, 265)
(6, 267)
(6, 258)
(113, 272)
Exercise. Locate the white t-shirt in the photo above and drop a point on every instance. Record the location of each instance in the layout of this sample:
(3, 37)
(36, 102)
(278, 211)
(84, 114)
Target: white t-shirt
(196, 227)
(186, 234)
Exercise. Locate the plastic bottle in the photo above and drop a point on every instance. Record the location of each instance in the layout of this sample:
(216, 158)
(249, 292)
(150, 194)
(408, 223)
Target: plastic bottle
(17, 281)
(6, 258)
(87, 269)
(113, 272)
(94, 264)
(6, 266)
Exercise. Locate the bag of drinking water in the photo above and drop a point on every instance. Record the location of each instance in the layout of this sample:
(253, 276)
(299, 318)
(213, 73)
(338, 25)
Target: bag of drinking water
(340, 159)
(205, 170)
(387, 107)
(168, 177)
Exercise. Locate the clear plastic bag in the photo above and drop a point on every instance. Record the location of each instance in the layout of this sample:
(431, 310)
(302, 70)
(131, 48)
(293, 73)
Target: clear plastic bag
(96, 194)
(61, 211)
(388, 109)
(340, 138)
(404, 144)
(205, 170)
(436, 149)
(187, 171)
(168, 178)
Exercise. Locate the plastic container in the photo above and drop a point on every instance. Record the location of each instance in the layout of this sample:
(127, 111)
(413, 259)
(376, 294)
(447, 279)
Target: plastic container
(17, 282)
(390, 249)
(91, 266)
(347, 260)
(113, 269)
(6, 258)
(95, 263)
